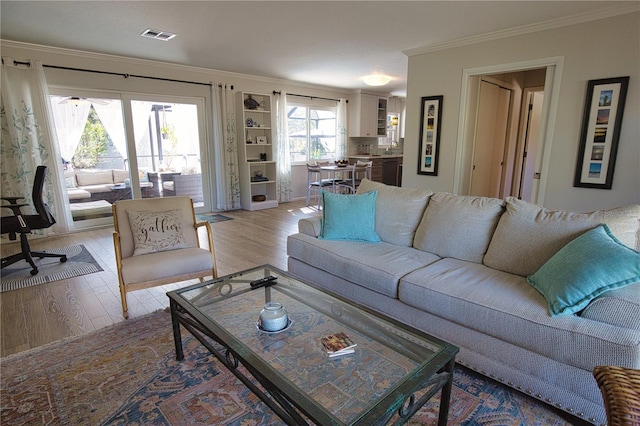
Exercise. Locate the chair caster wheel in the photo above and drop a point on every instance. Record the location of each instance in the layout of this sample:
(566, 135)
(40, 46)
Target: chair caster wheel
(63, 259)
(34, 272)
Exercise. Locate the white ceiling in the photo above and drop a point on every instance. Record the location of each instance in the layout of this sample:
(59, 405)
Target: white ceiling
(330, 43)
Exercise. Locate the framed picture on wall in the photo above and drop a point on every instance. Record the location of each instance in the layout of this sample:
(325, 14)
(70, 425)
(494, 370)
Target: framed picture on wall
(430, 122)
(601, 123)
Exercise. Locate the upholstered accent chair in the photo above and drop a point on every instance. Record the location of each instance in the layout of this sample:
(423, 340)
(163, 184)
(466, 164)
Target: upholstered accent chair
(157, 242)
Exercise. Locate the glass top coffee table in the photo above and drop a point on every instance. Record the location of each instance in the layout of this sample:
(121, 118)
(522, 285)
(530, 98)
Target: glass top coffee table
(392, 372)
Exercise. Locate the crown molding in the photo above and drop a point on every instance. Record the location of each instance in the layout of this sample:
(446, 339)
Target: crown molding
(632, 7)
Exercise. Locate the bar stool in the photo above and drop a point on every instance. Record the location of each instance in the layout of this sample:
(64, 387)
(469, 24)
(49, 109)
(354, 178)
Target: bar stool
(315, 182)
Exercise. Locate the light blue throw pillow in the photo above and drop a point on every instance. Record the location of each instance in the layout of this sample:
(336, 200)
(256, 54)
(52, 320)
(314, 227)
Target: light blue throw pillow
(586, 267)
(349, 217)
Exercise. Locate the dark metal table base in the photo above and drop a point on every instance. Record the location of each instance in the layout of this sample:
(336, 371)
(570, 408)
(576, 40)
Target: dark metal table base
(287, 409)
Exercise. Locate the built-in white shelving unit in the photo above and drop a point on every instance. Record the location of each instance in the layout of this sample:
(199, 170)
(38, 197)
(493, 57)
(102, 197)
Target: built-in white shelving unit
(256, 146)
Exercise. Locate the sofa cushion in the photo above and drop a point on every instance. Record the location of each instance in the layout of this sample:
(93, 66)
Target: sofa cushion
(606, 308)
(458, 226)
(398, 211)
(588, 266)
(120, 175)
(349, 217)
(78, 194)
(503, 306)
(377, 267)
(94, 177)
(136, 269)
(156, 231)
(528, 235)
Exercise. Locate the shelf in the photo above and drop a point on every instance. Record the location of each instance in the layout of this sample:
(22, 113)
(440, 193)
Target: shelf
(259, 205)
(251, 155)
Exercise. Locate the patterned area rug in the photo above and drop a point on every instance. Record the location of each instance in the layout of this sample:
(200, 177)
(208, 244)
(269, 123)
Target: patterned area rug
(213, 217)
(79, 262)
(127, 374)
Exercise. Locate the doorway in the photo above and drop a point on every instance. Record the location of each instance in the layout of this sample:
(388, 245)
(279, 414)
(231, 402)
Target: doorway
(491, 138)
(505, 170)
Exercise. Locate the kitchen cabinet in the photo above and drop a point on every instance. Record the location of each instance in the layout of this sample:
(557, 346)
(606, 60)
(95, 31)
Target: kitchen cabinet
(384, 169)
(390, 171)
(370, 116)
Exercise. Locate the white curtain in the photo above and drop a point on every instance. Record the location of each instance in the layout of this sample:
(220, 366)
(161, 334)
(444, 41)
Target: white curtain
(28, 137)
(225, 147)
(282, 147)
(70, 121)
(341, 115)
(110, 114)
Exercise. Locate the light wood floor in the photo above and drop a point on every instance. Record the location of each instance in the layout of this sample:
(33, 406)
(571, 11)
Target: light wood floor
(41, 314)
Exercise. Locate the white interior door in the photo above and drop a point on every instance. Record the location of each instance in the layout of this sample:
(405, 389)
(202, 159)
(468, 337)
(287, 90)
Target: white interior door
(490, 139)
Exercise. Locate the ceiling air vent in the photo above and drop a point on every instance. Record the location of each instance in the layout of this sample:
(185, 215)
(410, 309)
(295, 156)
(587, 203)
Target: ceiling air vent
(157, 34)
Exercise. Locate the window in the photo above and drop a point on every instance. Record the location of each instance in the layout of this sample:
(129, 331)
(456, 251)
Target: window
(312, 131)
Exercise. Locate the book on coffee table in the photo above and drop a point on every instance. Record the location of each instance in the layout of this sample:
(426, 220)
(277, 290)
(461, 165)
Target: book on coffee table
(338, 344)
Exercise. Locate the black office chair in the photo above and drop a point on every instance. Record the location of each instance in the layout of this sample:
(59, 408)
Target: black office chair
(23, 224)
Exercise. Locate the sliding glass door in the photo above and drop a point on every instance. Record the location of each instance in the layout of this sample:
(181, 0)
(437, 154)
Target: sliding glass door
(119, 146)
(167, 146)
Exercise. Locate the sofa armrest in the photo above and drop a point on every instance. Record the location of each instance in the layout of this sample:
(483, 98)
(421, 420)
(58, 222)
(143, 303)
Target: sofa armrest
(620, 307)
(310, 226)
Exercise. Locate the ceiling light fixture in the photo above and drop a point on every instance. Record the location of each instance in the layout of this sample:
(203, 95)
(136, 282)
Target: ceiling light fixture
(377, 79)
(73, 100)
(157, 34)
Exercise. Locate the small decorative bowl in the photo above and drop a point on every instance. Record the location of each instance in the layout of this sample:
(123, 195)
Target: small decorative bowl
(259, 198)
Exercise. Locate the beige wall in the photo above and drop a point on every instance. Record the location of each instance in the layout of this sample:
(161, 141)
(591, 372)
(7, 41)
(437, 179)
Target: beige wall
(598, 49)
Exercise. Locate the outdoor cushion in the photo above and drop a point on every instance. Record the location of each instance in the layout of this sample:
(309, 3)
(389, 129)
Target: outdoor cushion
(120, 175)
(528, 235)
(78, 194)
(94, 177)
(458, 226)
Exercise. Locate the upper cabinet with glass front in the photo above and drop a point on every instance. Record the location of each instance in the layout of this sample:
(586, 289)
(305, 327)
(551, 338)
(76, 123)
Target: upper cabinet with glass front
(370, 112)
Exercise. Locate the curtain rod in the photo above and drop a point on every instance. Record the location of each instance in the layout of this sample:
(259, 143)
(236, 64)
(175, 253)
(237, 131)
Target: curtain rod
(127, 75)
(277, 92)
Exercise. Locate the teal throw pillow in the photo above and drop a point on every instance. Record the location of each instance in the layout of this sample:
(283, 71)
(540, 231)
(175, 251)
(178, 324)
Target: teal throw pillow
(586, 267)
(349, 217)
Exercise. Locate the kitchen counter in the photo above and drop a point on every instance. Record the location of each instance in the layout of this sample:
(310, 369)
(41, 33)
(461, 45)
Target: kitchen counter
(373, 156)
(385, 168)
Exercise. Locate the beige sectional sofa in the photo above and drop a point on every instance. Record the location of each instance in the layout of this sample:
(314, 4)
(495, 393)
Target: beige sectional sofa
(457, 267)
